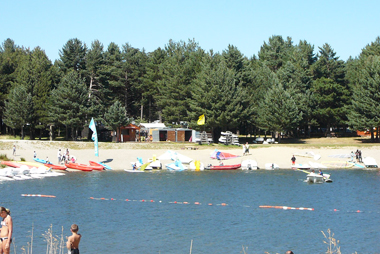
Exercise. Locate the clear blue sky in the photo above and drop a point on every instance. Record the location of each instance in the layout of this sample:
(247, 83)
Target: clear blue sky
(347, 26)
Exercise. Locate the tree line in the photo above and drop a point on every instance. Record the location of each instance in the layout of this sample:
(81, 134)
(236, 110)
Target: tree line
(286, 88)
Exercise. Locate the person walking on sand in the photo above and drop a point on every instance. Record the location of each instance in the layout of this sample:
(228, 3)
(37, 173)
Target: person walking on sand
(293, 159)
(73, 240)
(59, 156)
(6, 230)
(34, 154)
(14, 149)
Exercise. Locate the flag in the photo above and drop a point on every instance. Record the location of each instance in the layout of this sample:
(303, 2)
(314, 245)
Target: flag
(94, 136)
(201, 120)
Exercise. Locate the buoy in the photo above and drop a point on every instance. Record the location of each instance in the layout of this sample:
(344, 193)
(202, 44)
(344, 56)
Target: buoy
(91, 198)
(186, 203)
(111, 198)
(358, 211)
(151, 201)
(196, 203)
(209, 204)
(102, 198)
(223, 204)
(127, 200)
(175, 202)
(38, 195)
(335, 210)
(143, 200)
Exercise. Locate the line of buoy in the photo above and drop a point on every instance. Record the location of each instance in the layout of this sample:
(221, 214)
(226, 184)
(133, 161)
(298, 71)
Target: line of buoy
(38, 195)
(199, 203)
(287, 207)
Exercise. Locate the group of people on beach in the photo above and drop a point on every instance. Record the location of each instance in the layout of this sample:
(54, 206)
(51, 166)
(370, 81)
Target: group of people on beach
(65, 157)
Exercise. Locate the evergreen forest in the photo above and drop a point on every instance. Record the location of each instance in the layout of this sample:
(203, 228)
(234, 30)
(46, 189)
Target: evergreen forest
(285, 89)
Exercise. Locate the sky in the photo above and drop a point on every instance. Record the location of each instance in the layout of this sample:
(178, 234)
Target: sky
(347, 26)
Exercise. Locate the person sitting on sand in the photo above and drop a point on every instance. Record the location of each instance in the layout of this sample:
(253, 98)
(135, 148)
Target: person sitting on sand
(73, 240)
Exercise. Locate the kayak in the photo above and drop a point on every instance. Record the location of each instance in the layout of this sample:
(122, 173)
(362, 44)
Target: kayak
(104, 165)
(13, 164)
(55, 167)
(77, 166)
(98, 165)
(40, 160)
(225, 167)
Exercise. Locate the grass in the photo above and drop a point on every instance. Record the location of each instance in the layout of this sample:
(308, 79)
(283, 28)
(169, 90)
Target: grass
(56, 244)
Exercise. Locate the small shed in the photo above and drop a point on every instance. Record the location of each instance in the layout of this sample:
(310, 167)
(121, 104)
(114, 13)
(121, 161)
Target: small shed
(128, 133)
(174, 135)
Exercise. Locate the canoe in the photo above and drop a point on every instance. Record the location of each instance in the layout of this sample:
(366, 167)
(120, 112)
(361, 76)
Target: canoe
(12, 164)
(40, 160)
(225, 167)
(77, 166)
(55, 167)
(98, 165)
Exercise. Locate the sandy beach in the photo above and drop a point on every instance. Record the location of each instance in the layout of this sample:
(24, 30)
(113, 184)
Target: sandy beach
(121, 155)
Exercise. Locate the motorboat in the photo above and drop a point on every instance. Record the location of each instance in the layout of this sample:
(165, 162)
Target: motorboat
(224, 167)
(271, 166)
(249, 165)
(370, 162)
(314, 178)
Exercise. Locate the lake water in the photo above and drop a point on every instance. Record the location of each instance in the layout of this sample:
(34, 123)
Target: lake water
(167, 225)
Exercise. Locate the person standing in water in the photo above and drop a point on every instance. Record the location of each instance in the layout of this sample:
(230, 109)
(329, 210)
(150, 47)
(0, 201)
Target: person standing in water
(6, 230)
(73, 240)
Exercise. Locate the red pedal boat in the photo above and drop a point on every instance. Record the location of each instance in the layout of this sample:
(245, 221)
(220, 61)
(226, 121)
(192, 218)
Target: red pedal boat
(225, 167)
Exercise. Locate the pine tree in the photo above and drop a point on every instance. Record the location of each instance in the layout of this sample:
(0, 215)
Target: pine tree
(116, 117)
(278, 111)
(69, 103)
(365, 108)
(18, 108)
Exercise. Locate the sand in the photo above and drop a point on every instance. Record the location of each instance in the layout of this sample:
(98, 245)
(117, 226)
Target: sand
(122, 155)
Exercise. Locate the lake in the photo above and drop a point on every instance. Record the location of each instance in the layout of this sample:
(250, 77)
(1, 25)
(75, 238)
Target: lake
(218, 211)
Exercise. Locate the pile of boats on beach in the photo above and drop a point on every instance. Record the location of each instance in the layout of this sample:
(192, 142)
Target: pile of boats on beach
(23, 170)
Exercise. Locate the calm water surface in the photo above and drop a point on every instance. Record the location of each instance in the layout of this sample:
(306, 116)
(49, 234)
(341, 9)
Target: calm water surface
(119, 226)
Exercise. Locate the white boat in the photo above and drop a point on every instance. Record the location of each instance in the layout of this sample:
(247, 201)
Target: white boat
(170, 155)
(228, 138)
(370, 162)
(314, 178)
(271, 166)
(176, 166)
(301, 166)
(249, 165)
(134, 170)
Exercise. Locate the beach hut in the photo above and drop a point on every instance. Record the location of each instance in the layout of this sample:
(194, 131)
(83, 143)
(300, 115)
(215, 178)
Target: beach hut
(129, 133)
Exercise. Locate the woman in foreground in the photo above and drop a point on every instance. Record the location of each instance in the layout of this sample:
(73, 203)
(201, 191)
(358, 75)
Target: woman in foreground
(6, 230)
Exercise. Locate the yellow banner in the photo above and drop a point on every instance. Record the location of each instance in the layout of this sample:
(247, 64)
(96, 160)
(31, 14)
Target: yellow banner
(201, 120)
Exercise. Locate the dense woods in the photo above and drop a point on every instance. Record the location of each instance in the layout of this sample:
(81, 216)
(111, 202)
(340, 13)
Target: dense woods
(286, 89)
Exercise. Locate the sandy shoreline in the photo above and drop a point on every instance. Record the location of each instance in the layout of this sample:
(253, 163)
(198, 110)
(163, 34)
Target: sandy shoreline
(122, 157)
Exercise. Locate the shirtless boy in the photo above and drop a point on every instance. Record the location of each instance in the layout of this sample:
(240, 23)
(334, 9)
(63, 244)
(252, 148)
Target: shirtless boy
(73, 240)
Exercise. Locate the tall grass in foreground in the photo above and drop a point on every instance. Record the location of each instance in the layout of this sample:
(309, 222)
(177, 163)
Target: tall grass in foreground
(56, 244)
